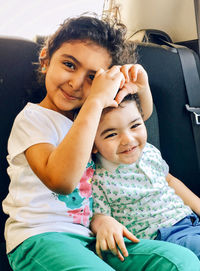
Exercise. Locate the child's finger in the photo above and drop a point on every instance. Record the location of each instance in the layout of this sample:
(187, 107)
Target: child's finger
(128, 88)
(120, 95)
(114, 70)
(125, 71)
(98, 250)
(136, 70)
(113, 248)
(130, 236)
(120, 243)
(100, 71)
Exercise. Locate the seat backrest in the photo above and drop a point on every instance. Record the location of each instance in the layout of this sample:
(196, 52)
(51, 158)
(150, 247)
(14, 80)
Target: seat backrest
(169, 94)
(17, 78)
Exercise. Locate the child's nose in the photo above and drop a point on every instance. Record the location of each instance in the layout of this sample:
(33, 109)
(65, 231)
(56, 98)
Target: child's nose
(127, 138)
(76, 82)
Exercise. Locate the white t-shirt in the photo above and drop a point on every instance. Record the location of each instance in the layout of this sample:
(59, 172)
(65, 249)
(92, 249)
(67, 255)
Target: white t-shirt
(138, 195)
(31, 206)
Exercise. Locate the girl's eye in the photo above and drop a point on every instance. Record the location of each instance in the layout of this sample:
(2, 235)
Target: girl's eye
(69, 65)
(91, 77)
(111, 135)
(135, 125)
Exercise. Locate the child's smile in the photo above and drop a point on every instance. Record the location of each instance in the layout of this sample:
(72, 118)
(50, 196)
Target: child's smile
(121, 135)
(70, 73)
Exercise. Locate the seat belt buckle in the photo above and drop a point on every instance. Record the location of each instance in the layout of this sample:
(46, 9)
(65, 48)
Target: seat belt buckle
(195, 111)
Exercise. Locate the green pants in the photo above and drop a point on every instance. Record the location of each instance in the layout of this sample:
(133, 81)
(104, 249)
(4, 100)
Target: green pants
(63, 252)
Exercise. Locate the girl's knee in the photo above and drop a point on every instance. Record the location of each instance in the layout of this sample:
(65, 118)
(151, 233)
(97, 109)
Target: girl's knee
(154, 254)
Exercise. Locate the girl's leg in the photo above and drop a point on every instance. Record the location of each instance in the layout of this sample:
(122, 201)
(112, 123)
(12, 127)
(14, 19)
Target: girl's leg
(56, 252)
(152, 255)
(185, 233)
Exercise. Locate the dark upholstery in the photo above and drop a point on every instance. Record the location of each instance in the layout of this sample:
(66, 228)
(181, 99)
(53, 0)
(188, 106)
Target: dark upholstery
(169, 94)
(17, 79)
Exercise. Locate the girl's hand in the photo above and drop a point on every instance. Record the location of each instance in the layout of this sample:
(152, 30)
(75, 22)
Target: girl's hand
(106, 85)
(110, 235)
(136, 81)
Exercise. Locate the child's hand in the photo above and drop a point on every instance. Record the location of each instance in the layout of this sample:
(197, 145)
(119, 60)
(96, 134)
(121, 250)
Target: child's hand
(110, 237)
(136, 80)
(106, 85)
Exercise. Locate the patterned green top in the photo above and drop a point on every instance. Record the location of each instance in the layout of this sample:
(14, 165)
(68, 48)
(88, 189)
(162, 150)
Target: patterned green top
(138, 195)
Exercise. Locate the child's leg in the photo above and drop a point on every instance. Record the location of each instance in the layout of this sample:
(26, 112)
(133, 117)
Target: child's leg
(56, 252)
(152, 255)
(185, 233)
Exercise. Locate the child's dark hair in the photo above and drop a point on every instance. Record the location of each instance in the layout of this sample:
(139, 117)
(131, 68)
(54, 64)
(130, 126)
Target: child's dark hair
(110, 36)
(134, 97)
(129, 97)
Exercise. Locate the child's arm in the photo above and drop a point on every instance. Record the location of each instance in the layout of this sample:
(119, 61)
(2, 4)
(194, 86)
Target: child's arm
(184, 193)
(137, 81)
(61, 167)
(109, 236)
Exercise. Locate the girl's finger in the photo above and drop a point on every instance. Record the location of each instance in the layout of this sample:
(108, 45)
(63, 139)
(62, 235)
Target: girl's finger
(130, 236)
(113, 248)
(103, 245)
(100, 71)
(114, 70)
(120, 243)
(134, 71)
(120, 95)
(98, 250)
(128, 88)
(125, 71)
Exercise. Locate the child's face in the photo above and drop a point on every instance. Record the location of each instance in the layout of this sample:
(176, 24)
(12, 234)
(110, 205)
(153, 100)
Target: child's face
(70, 73)
(121, 135)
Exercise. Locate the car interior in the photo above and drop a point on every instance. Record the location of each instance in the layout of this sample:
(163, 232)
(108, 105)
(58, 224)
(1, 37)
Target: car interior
(170, 128)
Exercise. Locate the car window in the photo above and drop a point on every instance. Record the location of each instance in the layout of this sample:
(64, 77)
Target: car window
(39, 17)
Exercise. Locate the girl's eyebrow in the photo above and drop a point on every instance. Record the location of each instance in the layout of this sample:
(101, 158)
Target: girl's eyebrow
(75, 60)
(107, 130)
(71, 57)
(113, 129)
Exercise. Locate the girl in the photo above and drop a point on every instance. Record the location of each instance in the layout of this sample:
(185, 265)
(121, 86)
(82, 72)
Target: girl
(49, 200)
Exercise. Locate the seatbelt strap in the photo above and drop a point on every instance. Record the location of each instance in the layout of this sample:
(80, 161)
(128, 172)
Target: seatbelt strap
(197, 14)
(192, 84)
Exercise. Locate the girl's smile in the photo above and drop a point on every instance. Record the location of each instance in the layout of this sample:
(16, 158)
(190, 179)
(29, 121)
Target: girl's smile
(70, 72)
(121, 135)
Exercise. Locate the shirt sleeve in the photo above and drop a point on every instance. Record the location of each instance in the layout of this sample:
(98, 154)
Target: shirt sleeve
(30, 127)
(100, 202)
(154, 155)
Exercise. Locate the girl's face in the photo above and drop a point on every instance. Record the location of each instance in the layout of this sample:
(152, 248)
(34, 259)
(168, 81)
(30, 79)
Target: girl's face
(121, 135)
(69, 75)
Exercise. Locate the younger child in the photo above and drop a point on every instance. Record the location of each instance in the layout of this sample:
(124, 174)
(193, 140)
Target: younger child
(50, 198)
(132, 183)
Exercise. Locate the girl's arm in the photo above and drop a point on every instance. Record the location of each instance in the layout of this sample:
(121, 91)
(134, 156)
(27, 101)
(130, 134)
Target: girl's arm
(61, 168)
(137, 81)
(189, 198)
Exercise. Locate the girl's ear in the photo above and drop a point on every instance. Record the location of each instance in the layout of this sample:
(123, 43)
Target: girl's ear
(43, 60)
(94, 149)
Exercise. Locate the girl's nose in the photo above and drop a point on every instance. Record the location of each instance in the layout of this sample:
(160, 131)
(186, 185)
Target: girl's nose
(127, 138)
(76, 82)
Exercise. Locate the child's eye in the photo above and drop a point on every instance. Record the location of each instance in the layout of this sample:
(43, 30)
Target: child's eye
(135, 125)
(111, 135)
(91, 77)
(69, 65)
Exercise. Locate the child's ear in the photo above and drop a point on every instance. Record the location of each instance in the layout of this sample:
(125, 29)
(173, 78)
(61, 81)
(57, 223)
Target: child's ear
(94, 149)
(43, 60)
